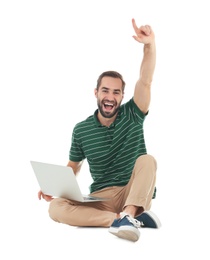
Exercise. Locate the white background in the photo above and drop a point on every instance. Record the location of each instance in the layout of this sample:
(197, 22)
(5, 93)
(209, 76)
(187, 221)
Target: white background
(51, 54)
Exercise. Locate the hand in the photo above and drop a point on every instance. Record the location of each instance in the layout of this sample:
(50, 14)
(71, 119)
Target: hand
(144, 34)
(44, 196)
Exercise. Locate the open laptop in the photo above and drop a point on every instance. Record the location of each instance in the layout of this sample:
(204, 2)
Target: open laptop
(60, 181)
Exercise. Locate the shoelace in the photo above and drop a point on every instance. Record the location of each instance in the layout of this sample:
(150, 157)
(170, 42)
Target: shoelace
(134, 221)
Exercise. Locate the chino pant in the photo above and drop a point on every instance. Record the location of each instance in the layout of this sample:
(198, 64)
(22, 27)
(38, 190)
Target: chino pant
(139, 192)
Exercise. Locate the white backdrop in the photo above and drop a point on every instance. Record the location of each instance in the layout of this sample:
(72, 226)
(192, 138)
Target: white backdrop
(51, 54)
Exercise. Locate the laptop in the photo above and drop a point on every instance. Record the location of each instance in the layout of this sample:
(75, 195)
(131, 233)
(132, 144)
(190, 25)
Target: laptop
(60, 181)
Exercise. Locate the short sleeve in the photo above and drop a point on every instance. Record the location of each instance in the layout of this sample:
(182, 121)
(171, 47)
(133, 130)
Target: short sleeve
(76, 153)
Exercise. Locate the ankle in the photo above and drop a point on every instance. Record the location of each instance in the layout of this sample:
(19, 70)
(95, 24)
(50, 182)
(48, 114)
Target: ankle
(130, 210)
(118, 215)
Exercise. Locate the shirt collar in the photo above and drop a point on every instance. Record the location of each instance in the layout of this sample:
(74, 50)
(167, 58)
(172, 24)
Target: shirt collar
(97, 122)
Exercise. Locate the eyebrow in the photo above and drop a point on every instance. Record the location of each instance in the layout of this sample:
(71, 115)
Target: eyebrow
(115, 90)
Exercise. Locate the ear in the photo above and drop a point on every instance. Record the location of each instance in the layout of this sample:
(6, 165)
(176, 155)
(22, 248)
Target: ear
(95, 92)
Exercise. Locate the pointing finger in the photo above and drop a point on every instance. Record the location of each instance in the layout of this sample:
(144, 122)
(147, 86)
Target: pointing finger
(134, 25)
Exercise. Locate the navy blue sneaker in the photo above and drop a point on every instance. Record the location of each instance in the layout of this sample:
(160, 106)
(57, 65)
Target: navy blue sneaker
(148, 219)
(125, 227)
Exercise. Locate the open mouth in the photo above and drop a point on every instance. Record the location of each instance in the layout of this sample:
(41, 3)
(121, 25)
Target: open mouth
(108, 106)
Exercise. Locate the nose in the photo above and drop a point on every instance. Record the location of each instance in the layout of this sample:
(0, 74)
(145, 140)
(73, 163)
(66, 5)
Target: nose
(110, 96)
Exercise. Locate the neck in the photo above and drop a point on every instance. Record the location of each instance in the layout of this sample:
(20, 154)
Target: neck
(106, 121)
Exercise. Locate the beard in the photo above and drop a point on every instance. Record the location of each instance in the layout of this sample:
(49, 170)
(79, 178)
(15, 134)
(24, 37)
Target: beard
(107, 113)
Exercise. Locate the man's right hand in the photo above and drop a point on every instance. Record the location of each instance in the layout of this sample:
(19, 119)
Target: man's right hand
(41, 195)
(144, 34)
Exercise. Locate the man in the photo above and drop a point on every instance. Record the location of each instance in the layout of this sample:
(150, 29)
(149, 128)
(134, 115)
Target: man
(112, 141)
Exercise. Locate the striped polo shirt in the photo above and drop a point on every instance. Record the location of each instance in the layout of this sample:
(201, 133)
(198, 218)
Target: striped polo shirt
(111, 151)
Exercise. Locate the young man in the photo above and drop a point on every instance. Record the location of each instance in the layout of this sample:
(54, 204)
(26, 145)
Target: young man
(112, 141)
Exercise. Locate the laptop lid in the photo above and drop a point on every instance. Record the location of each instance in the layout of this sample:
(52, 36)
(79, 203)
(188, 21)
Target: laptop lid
(59, 181)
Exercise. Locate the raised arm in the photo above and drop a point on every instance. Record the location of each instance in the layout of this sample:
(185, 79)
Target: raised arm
(142, 92)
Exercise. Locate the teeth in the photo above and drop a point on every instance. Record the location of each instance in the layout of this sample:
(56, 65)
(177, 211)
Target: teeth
(108, 104)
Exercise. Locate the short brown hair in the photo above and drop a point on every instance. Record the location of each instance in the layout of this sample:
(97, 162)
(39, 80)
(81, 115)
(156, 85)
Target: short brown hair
(112, 74)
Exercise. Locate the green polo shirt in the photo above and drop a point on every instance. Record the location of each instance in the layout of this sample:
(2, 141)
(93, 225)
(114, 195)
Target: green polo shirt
(111, 151)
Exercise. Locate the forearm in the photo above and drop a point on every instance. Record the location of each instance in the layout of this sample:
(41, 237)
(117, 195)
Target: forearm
(148, 64)
(76, 166)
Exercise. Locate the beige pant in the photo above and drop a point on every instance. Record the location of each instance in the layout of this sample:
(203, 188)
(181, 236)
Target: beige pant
(138, 192)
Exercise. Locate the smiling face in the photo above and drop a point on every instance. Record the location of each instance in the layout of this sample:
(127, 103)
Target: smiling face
(109, 97)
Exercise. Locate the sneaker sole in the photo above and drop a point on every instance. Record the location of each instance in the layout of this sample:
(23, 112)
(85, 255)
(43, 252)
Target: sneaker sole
(124, 232)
